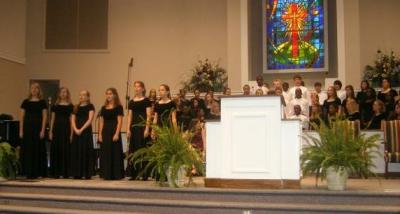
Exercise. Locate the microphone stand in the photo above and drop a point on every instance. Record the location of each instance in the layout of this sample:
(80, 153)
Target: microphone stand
(128, 80)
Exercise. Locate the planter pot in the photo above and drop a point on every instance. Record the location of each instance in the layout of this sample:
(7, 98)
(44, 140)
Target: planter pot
(336, 179)
(180, 179)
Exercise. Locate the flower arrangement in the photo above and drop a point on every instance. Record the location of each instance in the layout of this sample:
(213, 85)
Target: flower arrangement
(207, 76)
(385, 66)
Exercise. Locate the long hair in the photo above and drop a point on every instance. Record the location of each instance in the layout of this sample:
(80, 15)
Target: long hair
(37, 85)
(352, 94)
(167, 89)
(151, 97)
(68, 95)
(88, 101)
(142, 86)
(366, 82)
(117, 101)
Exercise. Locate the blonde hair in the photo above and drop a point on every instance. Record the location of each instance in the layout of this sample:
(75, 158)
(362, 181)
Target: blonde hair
(88, 101)
(334, 92)
(259, 92)
(68, 95)
(37, 85)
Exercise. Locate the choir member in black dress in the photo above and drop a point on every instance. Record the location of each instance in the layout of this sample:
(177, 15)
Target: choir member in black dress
(185, 118)
(379, 115)
(200, 101)
(138, 127)
(32, 133)
(82, 152)
(332, 99)
(387, 96)
(60, 135)
(111, 157)
(365, 99)
(164, 111)
(395, 115)
(179, 108)
(353, 113)
(195, 108)
(182, 97)
(349, 95)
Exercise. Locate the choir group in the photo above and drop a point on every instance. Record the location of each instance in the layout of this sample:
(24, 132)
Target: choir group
(71, 133)
(366, 106)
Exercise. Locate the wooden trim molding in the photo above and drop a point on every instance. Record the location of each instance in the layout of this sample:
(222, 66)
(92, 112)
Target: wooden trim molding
(12, 58)
(251, 183)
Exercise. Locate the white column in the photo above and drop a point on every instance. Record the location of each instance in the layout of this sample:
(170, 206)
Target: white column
(244, 41)
(341, 43)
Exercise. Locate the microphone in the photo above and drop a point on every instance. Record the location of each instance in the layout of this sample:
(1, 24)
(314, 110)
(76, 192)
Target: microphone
(131, 62)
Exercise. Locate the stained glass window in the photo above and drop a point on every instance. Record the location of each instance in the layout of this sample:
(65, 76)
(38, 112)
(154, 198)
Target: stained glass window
(295, 35)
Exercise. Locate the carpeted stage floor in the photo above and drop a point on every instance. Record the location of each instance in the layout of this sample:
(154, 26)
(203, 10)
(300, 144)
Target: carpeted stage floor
(48, 196)
(308, 183)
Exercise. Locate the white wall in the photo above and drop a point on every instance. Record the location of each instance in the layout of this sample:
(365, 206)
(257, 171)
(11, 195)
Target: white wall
(166, 38)
(13, 77)
(12, 31)
(379, 29)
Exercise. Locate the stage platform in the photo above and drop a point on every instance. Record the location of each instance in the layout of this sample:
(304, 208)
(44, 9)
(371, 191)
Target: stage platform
(98, 196)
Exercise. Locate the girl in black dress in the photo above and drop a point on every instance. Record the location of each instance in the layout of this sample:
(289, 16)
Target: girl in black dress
(379, 115)
(365, 99)
(332, 99)
(111, 156)
(82, 152)
(138, 126)
(60, 135)
(164, 110)
(32, 133)
(387, 96)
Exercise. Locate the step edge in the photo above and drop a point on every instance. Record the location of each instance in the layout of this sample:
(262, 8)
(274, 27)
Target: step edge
(194, 203)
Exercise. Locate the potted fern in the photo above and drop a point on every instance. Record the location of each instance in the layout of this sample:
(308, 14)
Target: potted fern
(338, 152)
(170, 157)
(8, 161)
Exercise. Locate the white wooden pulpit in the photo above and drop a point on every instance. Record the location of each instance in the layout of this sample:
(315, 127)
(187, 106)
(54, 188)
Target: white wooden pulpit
(251, 146)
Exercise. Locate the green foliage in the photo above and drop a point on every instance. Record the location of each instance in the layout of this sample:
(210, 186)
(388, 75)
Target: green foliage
(338, 147)
(206, 76)
(8, 161)
(170, 150)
